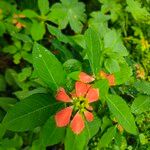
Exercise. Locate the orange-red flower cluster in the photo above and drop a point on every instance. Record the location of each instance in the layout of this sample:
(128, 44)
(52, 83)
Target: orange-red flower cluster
(79, 103)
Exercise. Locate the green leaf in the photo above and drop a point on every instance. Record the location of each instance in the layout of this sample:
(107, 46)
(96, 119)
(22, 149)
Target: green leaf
(112, 65)
(68, 12)
(107, 137)
(60, 36)
(7, 102)
(139, 13)
(124, 74)
(113, 42)
(30, 13)
(31, 112)
(72, 65)
(47, 66)
(51, 134)
(64, 51)
(143, 86)
(37, 30)
(93, 49)
(122, 113)
(16, 142)
(25, 73)
(43, 6)
(103, 87)
(99, 22)
(23, 37)
(91, 128)
(75, 142)
(141, 104)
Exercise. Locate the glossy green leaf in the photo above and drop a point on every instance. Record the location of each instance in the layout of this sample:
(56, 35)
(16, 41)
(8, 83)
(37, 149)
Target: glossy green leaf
(107, 137)
(31, 112)
(93, 49)
(43, 6)
(47, 66)
(51, 134)
(141, 104)
(37, 30)
(122, 113)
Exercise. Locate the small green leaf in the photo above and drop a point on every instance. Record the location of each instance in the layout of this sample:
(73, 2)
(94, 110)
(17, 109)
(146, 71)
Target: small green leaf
(37, 30)
(141, 104)
(93, 49)
(43, 6)
(142, 87)
(107, 137)
(31, 112)
(75, 142)
(112, 65)
(122, 113)
(47, 66)
(51, 134)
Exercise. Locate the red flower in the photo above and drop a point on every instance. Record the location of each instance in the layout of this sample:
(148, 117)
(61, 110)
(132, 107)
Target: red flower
(109, 77)
(80, 99)
(85, 78)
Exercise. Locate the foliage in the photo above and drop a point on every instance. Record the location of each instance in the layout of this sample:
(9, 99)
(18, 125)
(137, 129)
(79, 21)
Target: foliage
(48, 48)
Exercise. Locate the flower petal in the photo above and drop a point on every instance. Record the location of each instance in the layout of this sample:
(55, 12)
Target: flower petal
(89, 116)
(81, 88)
(92, 95)
(85, 78)
(62, 117)
(77, 124)
(111, 79)
(62, 95)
